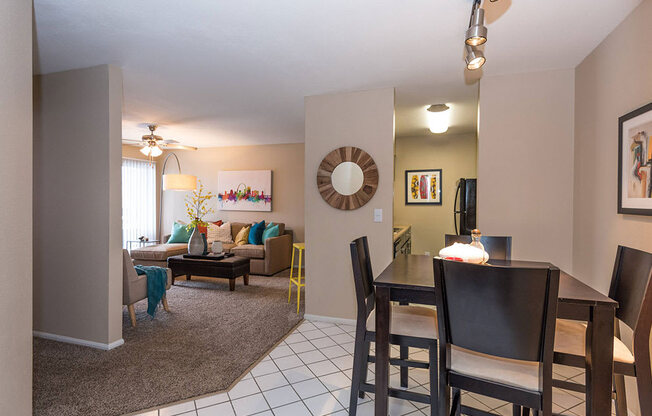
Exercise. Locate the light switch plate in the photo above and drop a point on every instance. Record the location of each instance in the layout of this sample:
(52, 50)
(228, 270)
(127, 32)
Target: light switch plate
(378, 215)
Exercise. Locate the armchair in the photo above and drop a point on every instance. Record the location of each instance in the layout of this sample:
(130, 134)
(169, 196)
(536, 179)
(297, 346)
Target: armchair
(134, 286)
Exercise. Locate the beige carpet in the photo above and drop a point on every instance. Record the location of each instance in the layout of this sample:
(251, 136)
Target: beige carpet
(207, 341)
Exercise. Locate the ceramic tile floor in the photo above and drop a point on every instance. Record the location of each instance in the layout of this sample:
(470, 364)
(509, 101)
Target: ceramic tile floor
(309, 374)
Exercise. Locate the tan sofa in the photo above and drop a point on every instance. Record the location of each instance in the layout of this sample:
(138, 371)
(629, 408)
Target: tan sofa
(266, 259)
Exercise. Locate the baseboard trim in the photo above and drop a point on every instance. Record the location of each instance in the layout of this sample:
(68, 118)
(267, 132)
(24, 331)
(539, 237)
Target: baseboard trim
(329, 319)
(77, 341)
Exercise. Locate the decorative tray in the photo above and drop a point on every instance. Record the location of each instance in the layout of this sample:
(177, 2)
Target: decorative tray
(209, 256)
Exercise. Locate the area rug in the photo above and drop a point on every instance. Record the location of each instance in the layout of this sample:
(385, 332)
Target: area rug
(208, 340)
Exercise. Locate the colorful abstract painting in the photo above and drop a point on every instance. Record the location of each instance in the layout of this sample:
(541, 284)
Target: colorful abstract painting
(635, 163)
(423, 187)
(244, 190)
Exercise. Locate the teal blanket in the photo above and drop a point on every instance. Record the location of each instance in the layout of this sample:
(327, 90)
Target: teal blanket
(157, 278)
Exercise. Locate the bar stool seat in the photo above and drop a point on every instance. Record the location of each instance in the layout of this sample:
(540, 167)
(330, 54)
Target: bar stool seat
(409, 321)
(570, 338)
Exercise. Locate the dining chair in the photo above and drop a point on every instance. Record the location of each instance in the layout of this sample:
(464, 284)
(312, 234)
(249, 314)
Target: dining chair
(496, 333)
(498, 247)
(631, 287)
(411, 326)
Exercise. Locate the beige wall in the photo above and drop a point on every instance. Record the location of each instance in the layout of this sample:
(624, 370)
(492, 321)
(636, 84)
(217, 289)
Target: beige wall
(16, 204)
(77, 204)
(525, 163)
(455, 155)
(613, 80)
(363, 119)
(285, 161)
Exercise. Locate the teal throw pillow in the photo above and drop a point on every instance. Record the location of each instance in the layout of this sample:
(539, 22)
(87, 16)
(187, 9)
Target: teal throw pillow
(270, 232)
(180, 233)
(256, 233)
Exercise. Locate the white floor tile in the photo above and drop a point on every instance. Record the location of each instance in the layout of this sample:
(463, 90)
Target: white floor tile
(294, 338)
(302, 346)
(349, 346)
(306, 326)
(177, 409)
(309, 388)
(243, 388)
(211, 400)
(322, 325)
(281, 351)
(332, 330)
(313, 334)
(334, 351)
(294, 409)
(250, 405)
(290, 361)
(335, 381)
(366, 409)
(398, 407)
(323, 342)
(151, 413)
(281, 396)
(322, 368)
(265, 367)
(310, 357)
(343, 363)
(342, 338)
(295, 375)
(222, 409)
(271, 381)
(323, 404)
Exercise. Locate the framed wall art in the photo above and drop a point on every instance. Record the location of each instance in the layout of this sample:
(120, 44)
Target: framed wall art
(635, 162)
(423, 187)
(244, 190)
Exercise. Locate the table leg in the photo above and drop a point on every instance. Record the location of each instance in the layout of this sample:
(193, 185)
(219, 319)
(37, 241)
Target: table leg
(187, 277)
(382, 350)
(599, 361)
(246, 279)
(231, 285)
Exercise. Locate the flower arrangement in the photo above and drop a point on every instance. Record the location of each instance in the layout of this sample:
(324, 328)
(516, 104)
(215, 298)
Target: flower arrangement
(197, 206)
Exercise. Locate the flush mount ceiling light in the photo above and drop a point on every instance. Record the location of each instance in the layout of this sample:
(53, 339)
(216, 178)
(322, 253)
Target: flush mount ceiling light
(438, 118)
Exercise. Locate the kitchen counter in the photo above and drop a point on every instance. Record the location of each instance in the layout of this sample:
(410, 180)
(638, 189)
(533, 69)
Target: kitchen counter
(402, 239)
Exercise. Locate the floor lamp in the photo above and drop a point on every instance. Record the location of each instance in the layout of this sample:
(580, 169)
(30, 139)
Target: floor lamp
(173, 182)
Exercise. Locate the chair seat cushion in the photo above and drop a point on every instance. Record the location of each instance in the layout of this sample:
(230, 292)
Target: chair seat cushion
(517, 373)
(410, 321)
(570, 338)
(250, 251)
(159, 252)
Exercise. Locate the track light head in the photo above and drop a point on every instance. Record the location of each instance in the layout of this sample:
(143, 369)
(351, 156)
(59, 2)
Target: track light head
(476, 34)
(474, 58)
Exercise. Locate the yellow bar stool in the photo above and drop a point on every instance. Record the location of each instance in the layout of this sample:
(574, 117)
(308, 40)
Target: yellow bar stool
(296, 280)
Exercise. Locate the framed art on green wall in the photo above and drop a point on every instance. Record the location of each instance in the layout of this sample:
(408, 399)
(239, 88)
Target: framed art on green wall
(423, 187)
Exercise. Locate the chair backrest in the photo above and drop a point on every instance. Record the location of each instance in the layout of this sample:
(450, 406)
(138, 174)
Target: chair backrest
(363, 277)
(128, 271)
(498, 248)
(631, 286)
(504, 311)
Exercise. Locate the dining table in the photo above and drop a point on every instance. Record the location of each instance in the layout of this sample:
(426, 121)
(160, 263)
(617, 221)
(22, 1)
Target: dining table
(410, 279)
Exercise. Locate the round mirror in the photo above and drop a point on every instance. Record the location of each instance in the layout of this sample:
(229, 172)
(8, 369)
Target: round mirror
(347, 178)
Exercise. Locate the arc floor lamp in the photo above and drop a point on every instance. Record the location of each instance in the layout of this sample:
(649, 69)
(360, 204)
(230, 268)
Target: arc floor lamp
(173, 182)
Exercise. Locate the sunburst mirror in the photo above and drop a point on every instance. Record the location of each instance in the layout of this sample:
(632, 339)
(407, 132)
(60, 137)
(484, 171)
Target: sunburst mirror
(347, 178)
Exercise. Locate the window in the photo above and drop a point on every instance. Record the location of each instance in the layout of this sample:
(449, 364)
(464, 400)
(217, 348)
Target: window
(138, 200)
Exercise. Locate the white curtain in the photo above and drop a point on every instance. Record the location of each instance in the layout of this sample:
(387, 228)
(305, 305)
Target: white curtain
(138, 200)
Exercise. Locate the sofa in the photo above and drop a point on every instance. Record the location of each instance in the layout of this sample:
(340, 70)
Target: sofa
(266, 259)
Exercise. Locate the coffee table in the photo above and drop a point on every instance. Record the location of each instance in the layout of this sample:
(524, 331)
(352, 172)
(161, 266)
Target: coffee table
(227, 268)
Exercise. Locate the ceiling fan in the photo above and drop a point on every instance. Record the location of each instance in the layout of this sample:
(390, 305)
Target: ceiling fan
(152, 145)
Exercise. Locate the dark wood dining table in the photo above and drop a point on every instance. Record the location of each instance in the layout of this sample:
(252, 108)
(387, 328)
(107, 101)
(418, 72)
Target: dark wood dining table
(410, 279)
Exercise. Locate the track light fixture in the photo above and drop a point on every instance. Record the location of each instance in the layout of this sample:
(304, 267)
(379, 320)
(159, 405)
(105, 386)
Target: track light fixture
(474, 58)
(476, 35)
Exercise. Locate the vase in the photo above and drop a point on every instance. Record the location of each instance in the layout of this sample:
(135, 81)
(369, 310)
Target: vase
(196, 243)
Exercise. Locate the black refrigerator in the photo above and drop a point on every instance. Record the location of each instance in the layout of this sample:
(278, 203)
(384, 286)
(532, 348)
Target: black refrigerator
(464, 208)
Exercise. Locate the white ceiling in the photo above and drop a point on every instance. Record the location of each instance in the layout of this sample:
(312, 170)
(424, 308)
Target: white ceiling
(217, 73)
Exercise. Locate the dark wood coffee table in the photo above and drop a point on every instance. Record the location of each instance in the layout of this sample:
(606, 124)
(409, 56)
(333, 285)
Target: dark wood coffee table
(227, 268)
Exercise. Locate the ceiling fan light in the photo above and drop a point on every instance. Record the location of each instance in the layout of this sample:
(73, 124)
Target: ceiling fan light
(145, 150)
(474, 58)
(156, 151)
(476, 34)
